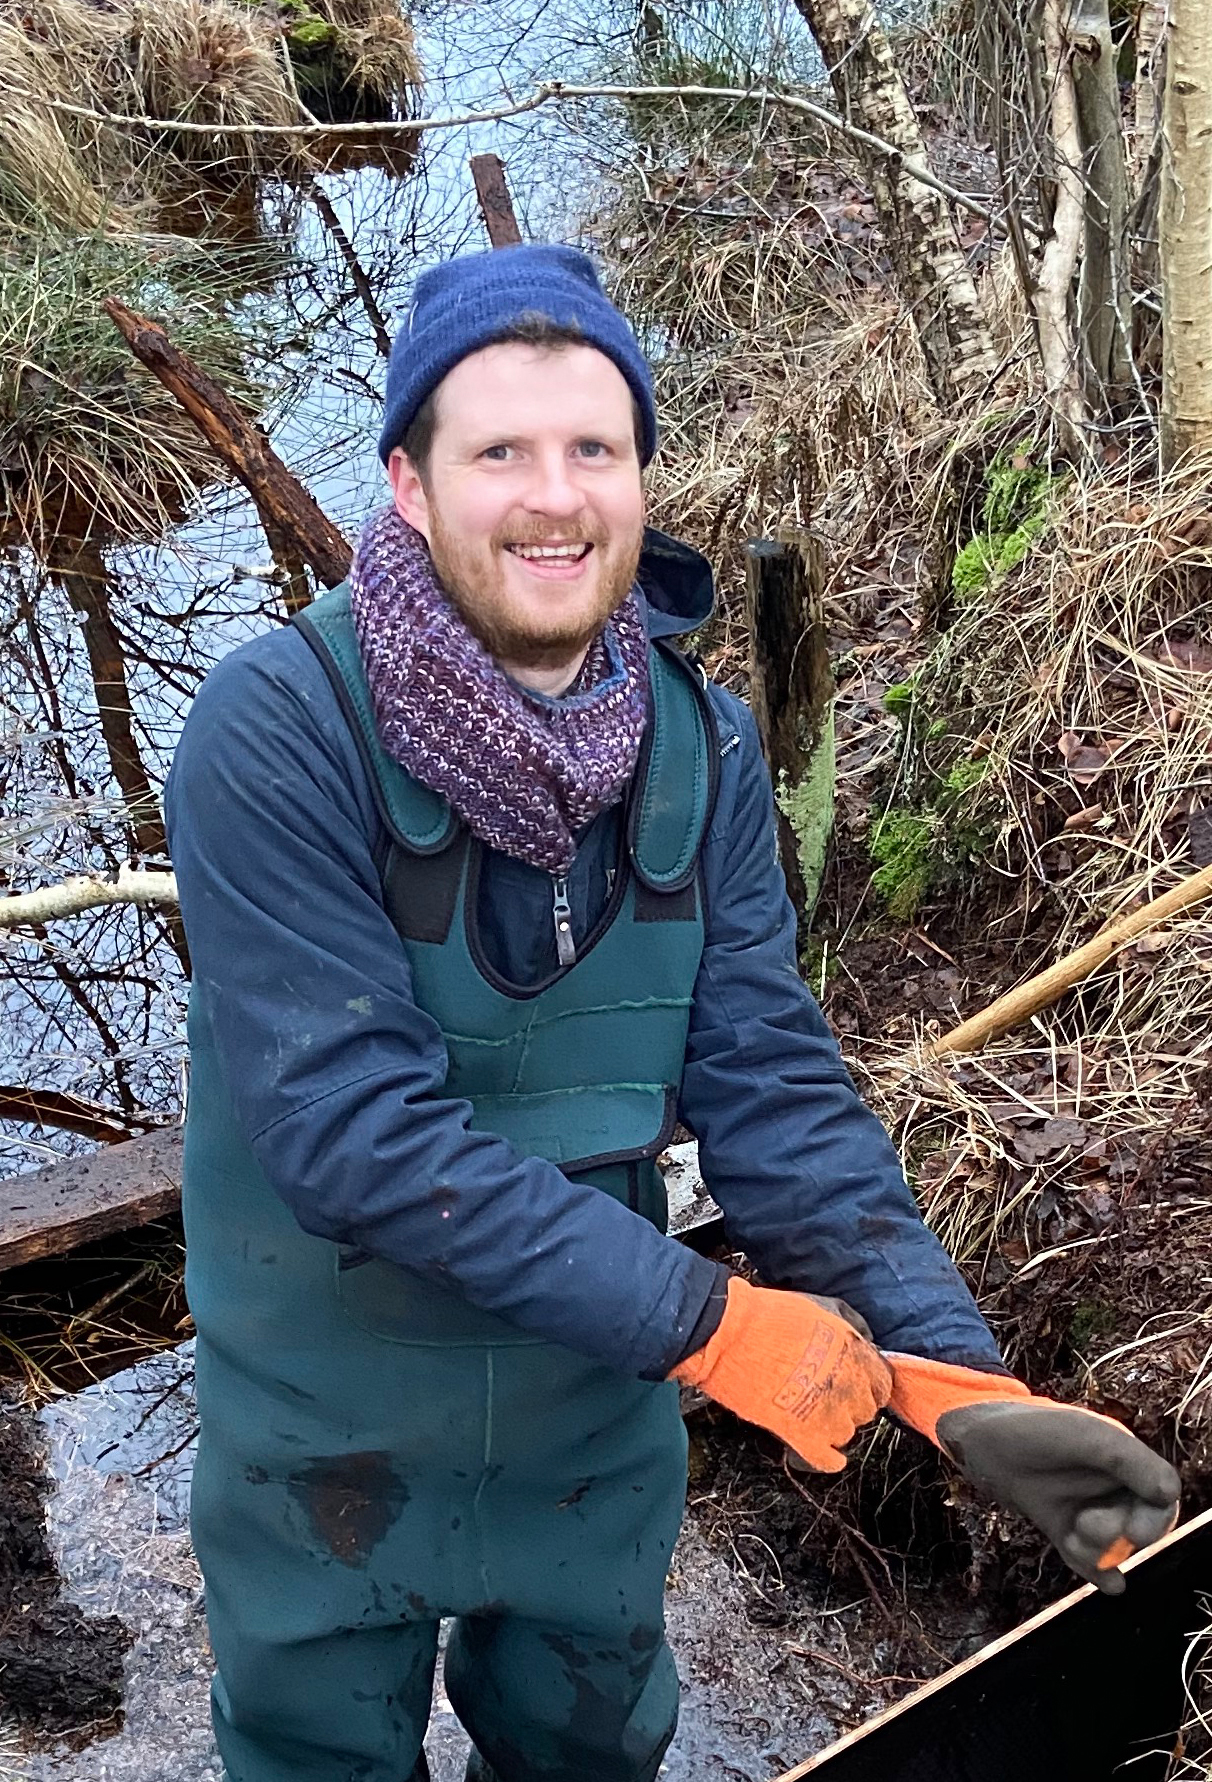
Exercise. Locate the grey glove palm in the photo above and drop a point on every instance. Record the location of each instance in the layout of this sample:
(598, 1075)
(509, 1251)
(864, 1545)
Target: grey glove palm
(1090, 1486)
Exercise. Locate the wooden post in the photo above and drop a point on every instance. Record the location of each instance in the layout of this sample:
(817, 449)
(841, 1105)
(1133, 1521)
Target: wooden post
(791, 695)
(288, 511)
(488, 171)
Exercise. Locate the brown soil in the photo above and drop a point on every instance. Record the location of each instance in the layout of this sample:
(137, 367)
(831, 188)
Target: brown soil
(59, 1671)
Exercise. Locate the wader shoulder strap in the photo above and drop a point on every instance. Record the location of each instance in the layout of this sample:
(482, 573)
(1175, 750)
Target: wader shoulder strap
(676, 779)
(420, 820)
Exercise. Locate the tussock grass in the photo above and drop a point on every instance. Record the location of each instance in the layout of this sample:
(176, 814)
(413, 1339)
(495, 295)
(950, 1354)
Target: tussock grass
(208, 62)
(217, 62)
(89, 441)
(375, 48)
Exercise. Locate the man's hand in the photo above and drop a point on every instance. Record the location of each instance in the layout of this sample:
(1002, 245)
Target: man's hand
(791, 1364)
(1084, 1480)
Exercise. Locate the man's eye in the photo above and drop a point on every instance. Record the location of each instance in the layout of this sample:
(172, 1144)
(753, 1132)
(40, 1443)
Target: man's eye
(496, 452)
(593, 448)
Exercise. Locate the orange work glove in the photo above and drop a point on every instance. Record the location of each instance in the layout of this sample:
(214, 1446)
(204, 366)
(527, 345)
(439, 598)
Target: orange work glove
(1082, 1478)
(786, 1362)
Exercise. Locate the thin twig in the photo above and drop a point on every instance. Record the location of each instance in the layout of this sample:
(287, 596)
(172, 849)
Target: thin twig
(543, 94)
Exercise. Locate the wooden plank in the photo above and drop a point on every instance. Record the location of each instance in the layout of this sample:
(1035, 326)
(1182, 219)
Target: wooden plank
(496, 206)
(53, 1210)
(1088, 1685)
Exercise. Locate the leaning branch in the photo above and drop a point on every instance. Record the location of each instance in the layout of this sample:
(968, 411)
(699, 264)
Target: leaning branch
(545, 93)
(86, 893)
(1048, 986)
(286, 508)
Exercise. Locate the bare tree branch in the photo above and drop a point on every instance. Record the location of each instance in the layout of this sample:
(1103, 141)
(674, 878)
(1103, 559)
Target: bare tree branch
(85, 893)
(545, 93)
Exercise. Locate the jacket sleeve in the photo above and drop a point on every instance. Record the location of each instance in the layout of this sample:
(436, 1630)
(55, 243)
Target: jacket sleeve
(336, 1076)
(807, 1178)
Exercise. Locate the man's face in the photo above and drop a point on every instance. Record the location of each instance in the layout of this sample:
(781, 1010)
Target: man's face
(532, 504)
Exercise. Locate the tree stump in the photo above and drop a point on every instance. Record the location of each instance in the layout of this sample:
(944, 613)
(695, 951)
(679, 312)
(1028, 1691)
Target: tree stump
(791, 696)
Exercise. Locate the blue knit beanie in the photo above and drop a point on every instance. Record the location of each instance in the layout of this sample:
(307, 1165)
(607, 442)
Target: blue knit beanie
(467, 303)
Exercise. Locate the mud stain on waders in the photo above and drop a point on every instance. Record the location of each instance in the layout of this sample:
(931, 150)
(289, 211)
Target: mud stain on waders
(350, 1502)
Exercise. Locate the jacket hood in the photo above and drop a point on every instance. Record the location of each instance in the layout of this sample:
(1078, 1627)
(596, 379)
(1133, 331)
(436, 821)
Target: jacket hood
(677, 583)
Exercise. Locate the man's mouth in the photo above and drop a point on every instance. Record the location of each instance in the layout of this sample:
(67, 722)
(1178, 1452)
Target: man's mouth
(551, 553)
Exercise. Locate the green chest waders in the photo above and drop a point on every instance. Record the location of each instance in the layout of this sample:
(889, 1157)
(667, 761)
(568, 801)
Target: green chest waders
(376, 1453)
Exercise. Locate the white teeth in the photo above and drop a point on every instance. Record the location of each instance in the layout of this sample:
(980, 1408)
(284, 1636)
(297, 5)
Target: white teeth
(573, 550)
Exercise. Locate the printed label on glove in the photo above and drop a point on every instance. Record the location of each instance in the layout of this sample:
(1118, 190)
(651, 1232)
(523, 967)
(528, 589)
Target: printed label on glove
(807, 1385)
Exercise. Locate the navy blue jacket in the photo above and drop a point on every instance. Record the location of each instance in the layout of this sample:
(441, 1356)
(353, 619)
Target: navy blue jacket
(278, 851)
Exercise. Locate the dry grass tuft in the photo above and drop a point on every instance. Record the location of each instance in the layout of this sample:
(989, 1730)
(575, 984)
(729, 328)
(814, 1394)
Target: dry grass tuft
(90, 443)
(375, 47)
(216, 62)
(11, 1767)
(1192, 1757)
(208, 62)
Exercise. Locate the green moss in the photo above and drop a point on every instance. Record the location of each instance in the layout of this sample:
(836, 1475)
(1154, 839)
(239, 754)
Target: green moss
(818, 963)
(1091, 1319)
(808, 807)
(919, 850)
(1018, 496)
(312, 34)
(963, 776)
(898, 699)
(902, 844)
(973, 568)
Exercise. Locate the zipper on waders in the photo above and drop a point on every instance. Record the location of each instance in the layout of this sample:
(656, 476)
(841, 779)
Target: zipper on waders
(561, 911)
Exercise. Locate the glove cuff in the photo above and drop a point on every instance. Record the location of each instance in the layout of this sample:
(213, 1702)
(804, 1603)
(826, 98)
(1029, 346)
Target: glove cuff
(695, 1369)
(922, 1391)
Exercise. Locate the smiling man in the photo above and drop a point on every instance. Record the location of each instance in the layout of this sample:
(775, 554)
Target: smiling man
(482, 892)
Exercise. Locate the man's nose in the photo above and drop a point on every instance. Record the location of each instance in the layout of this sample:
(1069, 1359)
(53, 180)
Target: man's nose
(553, 489)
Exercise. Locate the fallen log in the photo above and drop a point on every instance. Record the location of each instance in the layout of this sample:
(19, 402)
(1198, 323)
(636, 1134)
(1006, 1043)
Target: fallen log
(286, 507)
(50, 1211)
(1047, 986)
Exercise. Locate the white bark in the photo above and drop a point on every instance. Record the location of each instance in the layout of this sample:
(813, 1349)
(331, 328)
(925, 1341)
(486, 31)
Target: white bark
(85, 893)
(1053, 295)
(1186, 234)
(932, 273)
(1150, 41)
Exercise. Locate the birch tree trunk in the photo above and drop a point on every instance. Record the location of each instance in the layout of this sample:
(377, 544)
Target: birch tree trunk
(1186, 234)
(1105, 293)
(1053, 294)
(1150, 46)
(932, 274)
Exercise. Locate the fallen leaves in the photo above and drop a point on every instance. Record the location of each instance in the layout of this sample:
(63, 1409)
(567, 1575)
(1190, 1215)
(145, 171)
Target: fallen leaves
(1085, 761)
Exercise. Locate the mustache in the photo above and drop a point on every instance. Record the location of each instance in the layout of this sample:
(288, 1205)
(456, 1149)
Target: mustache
(532, 533)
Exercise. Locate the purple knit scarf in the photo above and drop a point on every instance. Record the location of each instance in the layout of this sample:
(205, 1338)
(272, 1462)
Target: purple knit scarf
(524, 772)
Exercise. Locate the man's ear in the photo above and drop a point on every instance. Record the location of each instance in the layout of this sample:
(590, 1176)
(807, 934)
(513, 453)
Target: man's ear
(408, 489)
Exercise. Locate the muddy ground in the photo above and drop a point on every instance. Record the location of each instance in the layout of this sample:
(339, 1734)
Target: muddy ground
(790, 1627)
